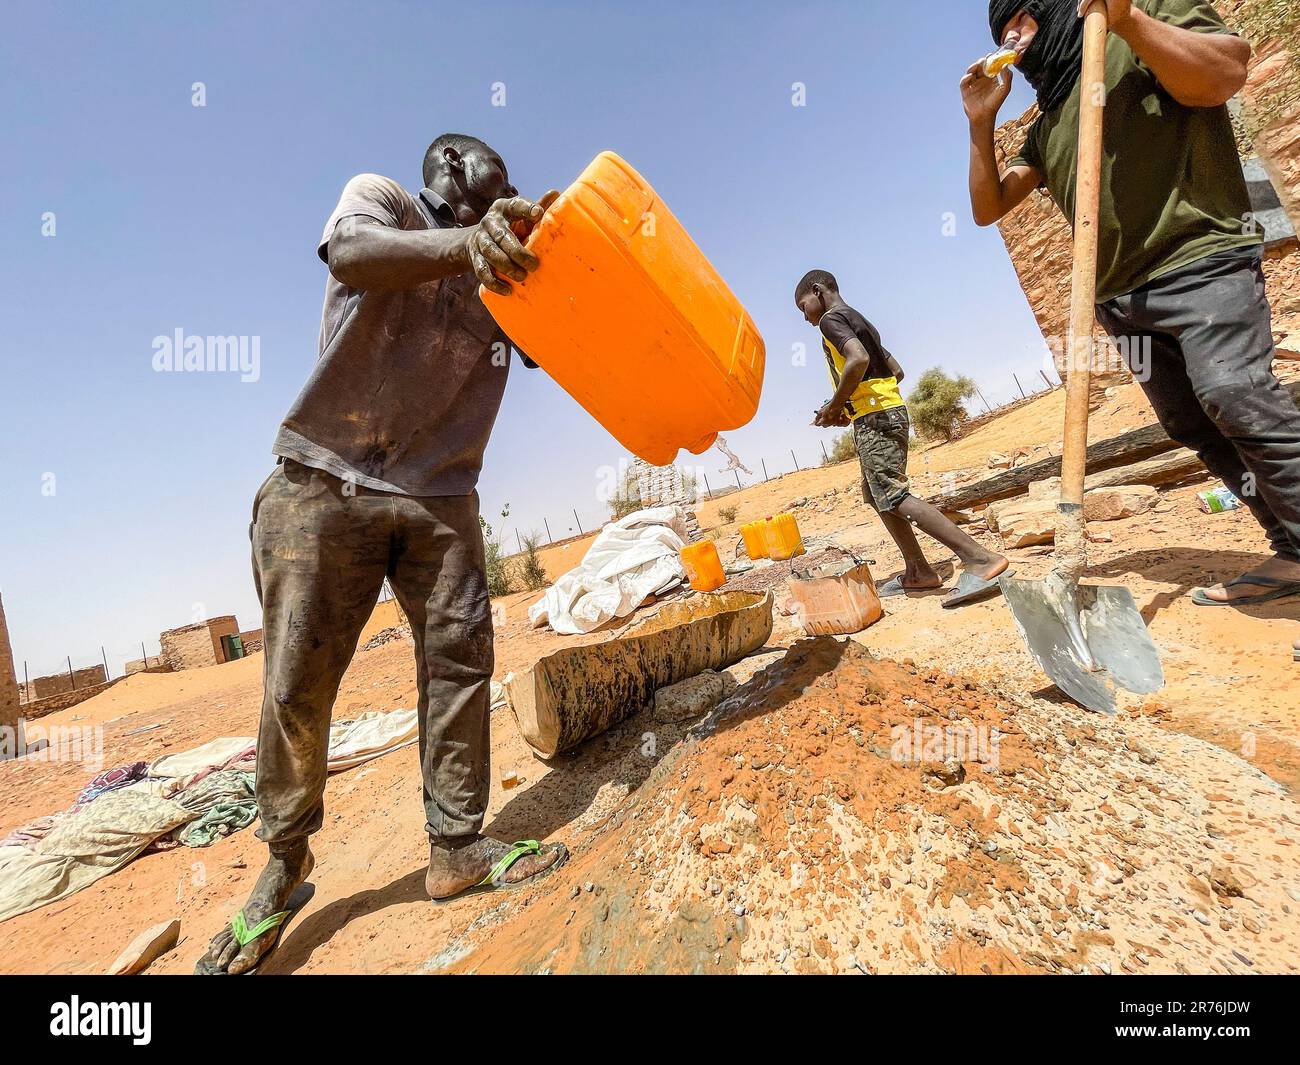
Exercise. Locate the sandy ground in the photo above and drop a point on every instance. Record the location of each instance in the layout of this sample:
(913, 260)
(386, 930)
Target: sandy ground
(1224, 733)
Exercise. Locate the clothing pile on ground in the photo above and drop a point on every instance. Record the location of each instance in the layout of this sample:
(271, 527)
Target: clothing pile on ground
(190, 799)
(631, 560)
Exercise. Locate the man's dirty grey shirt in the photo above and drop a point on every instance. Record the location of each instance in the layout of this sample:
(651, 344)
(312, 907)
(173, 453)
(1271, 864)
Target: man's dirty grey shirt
(408, 384)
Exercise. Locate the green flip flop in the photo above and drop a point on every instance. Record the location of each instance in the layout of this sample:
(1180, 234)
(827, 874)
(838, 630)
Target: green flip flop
(520, 849)
(245, 935)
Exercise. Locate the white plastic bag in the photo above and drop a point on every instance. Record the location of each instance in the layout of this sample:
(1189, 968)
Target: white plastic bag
(631, 560)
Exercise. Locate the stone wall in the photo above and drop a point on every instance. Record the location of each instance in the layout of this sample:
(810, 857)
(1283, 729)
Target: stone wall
(152, 664)
(53, 703)
(58, 683)
(1038, 237)
(196, 646)
(8, 677)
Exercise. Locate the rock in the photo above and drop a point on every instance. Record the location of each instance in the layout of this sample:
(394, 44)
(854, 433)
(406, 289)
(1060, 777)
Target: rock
(146, 948)
(1098, 535)
(1224, 882)
(948, 775)
(999, 461)
(692, 697)
(1124, 501)
(1024, 521)
(1048, 488)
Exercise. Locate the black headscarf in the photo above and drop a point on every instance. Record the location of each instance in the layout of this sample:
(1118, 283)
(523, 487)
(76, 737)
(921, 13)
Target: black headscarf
(1054, 62)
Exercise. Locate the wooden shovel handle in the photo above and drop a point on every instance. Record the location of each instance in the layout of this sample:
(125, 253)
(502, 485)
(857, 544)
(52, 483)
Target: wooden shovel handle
(1092, 103)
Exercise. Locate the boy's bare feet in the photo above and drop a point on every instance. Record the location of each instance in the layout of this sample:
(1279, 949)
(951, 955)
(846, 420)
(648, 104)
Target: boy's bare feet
(920, 576)
(456, 865)
(989, 567)
(287, 869)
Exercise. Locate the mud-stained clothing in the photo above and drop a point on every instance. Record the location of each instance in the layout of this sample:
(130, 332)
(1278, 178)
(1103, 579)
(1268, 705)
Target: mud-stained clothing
(321, 550)
(408, 383)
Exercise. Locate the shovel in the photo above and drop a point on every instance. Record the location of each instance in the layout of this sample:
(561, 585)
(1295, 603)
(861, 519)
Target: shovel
(1088, 639)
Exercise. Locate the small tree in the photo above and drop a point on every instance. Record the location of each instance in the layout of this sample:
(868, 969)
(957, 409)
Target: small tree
(531, 570)
(936, 404)
(494, 565)
(627, 500)
(844, 448)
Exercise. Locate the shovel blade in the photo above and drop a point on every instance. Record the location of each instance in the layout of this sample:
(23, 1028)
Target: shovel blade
(1114, 637)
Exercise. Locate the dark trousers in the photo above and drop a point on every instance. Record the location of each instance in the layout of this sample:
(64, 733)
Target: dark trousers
(1200, 342)
(321, 551)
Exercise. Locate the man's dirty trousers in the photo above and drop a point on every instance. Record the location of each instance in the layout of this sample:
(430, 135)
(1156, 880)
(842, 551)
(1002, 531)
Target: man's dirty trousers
(1200, 342)
(321, 550)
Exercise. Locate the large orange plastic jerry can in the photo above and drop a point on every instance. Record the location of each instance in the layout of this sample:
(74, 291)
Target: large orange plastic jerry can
(631, 319)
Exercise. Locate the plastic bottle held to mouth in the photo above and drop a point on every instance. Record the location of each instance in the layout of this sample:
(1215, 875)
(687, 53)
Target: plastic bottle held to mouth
(996, 63)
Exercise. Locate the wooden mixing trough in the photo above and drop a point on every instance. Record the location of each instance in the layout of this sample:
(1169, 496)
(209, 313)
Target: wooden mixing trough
(577, 693)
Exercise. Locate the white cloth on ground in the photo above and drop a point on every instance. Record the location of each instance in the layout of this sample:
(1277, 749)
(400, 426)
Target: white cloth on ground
(215, 754)
(351, 743)
(89, 842)
(372, 734)
(631, 560)
(84, 845)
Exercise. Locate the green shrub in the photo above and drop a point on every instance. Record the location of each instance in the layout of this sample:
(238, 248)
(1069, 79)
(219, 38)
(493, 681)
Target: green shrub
(937, 404)
(627, 500)
(531, 570)
(494, 564)
(844, 448)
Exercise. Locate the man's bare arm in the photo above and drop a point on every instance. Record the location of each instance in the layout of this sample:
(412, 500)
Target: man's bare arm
(1196, 69)
(366, 254)
(993, 194)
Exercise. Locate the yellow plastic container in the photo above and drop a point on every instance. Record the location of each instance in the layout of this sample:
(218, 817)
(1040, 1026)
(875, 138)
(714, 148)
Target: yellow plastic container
(783, 539)
(703, 566)
(629, 317)
(755, 539)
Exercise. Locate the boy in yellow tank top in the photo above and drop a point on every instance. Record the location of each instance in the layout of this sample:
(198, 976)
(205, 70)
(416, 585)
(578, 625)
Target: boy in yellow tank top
(866, 379)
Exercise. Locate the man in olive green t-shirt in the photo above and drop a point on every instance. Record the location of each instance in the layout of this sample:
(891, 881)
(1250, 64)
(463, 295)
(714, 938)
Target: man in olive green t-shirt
(1179, 281)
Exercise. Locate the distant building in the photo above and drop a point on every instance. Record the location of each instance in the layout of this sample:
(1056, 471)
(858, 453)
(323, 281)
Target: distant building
(208, 643)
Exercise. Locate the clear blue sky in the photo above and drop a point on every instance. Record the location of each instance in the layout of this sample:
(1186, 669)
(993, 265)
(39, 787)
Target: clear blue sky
(205, 219)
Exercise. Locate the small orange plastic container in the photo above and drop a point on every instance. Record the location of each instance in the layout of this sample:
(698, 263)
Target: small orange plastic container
(755, 538)
(783, 539)
(703, 566)
(629, 317)
(831, 603)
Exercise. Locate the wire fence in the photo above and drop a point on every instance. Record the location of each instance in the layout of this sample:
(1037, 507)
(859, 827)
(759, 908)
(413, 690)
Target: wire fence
(77, 673)
(726, 480)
